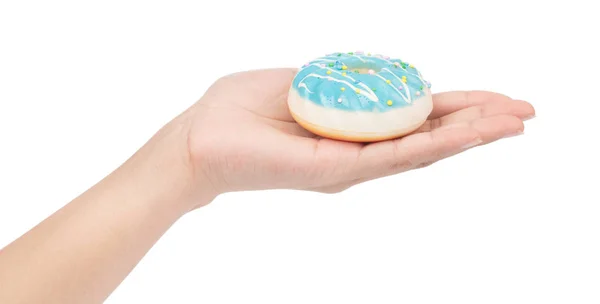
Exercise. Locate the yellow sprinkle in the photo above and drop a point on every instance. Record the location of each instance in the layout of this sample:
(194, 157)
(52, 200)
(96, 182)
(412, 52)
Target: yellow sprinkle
(368, 54)
(343, 89)
(344, 67)
(403, 76)
(404, 80)
(328, 72)
(389, 103)
(388, 81)
(344, 74)
(357, 91)
(411, 66)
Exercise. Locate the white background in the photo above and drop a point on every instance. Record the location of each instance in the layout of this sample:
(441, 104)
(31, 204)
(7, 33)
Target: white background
(84, 85)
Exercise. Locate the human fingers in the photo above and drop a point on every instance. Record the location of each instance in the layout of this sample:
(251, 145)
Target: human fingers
(517, 108)
(421, 149)
(449, 102)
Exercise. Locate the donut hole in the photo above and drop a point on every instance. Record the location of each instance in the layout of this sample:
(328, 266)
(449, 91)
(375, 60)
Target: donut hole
(365, 69)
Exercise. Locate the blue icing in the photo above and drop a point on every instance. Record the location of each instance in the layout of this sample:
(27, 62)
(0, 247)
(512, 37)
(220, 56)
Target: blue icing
(315, 84)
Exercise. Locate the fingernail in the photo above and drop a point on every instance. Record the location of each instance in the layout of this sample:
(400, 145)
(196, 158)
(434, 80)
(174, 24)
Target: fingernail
(529, 117)
(472, 144)
(513, 134)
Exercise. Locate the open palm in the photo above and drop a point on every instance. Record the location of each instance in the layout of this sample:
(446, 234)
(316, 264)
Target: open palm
(244, 138)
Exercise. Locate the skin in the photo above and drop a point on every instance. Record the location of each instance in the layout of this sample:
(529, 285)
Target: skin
(238, 136)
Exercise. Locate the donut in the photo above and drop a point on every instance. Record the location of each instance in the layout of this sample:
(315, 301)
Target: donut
(359, 97)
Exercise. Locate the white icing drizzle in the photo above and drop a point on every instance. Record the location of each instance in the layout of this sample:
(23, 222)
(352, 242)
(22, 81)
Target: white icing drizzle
(390, 62)
(303, 85)
(364, 86)
(408, 100)
(406, 88)
(359, 58)
(369, 94)
(418, 76)
(421, 78)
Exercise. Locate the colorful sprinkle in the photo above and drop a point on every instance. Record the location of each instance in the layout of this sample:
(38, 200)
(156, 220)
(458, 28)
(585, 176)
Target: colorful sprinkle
(410, 65)
(328, 72)
(339, 54)
(389, 103)
(350, 53)
(421, 88)
(343, 89)
(344, 67)
(388, 81)
(418, 93)
(339, 65)
(371, 72)
(344, 74)
(404, 80)
(400, 87)
(374, 89)
(357, 91)
(331, 65)
(322, 65)
(397, 64)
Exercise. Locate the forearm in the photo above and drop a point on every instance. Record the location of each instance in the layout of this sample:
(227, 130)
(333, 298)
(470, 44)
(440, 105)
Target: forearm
(82, 252)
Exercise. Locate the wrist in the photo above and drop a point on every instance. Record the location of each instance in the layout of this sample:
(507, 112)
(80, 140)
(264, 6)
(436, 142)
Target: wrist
(164, 171)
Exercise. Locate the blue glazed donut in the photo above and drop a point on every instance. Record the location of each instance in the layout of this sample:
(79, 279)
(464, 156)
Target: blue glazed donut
(359, 97)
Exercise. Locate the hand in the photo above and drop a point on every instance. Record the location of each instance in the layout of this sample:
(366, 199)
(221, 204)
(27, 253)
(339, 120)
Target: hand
(239, 136)
(242, 137)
